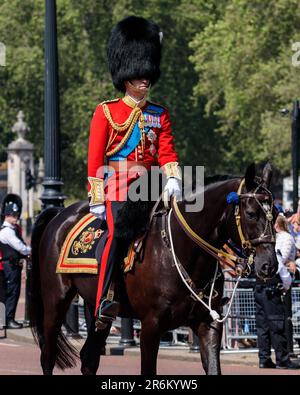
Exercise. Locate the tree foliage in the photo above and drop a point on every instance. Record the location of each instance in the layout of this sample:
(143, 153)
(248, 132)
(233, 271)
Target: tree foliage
(243, 61)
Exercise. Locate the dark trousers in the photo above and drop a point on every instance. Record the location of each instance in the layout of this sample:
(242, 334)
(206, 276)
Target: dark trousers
(113, 253)
(270, 324)
(2, 287)
(288, 320)
(12, 273)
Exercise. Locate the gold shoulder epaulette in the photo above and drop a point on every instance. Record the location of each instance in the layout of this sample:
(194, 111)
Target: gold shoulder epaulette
(110, 101)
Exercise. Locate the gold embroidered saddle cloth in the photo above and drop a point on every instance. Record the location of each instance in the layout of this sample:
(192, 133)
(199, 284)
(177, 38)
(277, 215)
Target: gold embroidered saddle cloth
(78, 251)
(81, 251)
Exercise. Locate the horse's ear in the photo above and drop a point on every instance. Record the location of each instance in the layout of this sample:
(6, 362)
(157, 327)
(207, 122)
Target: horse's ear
(267, 175)
(249, 177)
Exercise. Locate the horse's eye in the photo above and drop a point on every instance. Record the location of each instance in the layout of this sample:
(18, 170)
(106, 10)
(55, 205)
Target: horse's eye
(251, 214)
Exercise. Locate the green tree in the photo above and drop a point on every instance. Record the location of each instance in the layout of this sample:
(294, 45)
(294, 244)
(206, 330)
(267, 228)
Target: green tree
(243, 61)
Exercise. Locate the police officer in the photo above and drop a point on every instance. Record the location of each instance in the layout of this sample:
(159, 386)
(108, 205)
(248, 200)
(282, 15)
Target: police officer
(2, 280)
(13, 249)
(271, 313)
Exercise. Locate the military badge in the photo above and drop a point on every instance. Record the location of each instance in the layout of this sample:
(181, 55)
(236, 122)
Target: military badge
(153, 121)
(86, 241)
(151, 135)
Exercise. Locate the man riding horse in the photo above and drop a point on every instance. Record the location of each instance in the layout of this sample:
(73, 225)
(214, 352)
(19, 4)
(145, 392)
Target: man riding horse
(130, 135)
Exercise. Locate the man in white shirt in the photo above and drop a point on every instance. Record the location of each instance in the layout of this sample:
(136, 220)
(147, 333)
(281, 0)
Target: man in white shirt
(13, 249)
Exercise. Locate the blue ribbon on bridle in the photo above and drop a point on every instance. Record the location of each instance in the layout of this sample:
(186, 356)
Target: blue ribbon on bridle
(233, 198)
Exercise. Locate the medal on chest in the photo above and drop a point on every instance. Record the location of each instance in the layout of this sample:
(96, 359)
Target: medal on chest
(151, 135)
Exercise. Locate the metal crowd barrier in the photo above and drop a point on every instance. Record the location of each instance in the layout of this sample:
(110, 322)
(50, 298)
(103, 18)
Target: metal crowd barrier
(2, 320)
(177, 337)
(241, 324)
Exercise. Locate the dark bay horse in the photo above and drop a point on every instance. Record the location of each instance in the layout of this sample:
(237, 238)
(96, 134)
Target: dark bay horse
(153, 292)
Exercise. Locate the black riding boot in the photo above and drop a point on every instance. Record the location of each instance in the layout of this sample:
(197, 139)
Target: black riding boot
(108, 308)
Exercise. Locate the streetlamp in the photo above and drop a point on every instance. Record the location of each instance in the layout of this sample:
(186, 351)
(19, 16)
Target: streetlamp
(295, 151)
(52, 195)
(295, 134)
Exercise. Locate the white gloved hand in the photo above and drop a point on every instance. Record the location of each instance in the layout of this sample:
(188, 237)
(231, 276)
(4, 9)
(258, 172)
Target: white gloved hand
(99, 211)
(173, 188)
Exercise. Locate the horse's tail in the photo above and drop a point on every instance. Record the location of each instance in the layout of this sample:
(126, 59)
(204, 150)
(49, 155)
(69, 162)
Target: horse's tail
(66, 354)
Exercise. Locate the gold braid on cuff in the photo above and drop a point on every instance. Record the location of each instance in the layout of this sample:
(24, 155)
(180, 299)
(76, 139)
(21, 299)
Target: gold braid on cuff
(96, 192)
(172, 169)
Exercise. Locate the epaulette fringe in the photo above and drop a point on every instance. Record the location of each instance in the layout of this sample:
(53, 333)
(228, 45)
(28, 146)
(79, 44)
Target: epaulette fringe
(110, 101)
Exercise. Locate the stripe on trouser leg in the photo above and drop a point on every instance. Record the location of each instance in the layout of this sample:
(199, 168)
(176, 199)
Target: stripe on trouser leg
(106, 251)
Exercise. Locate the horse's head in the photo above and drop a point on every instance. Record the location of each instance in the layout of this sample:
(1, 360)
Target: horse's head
(254, 215)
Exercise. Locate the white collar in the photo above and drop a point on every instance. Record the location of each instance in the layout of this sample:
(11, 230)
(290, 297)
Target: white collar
(5, 223)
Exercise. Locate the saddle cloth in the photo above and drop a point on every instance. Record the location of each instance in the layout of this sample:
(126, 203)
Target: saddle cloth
(80, 252)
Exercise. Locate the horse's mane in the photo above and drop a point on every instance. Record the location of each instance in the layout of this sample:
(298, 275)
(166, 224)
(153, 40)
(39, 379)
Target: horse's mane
(218, 178)
(211, 181)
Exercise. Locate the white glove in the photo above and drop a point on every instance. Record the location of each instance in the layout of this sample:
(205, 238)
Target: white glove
(284, 274)
(173, 188)
(99, 211)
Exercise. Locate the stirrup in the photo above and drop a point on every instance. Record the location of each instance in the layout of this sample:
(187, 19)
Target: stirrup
(102, 322)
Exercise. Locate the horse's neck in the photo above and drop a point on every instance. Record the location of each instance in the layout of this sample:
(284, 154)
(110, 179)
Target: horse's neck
(207, 221)
(209, 224)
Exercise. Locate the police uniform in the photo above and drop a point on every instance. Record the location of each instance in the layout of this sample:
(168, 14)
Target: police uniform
(270, 324)
(270, 318)
(127, 133)
(13, 248)
(2, 280)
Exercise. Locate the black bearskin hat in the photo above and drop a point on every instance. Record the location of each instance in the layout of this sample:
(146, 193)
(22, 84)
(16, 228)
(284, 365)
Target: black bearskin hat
(134, 51)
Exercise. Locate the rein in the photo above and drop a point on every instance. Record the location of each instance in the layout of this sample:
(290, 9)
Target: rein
(220, 255)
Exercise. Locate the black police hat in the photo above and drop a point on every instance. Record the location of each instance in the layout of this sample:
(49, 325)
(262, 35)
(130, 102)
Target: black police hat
(11, 208)
(10, 198)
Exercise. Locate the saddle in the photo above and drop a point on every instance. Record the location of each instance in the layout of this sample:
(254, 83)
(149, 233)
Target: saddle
(136, 249)
(83, 245)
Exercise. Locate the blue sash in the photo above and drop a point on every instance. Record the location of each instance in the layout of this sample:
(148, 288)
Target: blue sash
(152, 119)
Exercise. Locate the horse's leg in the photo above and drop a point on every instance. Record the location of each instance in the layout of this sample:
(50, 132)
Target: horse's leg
(149, 343)
(93, 347)
(210, 337)
(55, 309)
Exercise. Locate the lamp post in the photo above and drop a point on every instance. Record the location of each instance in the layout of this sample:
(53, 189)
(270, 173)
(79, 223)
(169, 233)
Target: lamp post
(52, 195)
(127, 333)
(295, 151)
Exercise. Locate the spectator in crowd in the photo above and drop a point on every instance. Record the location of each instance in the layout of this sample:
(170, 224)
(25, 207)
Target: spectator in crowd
(270, 306)
(294, 228)
(2, 280)
(13, 249)
(286, 251)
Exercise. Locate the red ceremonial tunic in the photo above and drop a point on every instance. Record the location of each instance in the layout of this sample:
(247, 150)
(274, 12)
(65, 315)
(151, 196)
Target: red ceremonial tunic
(156, 148)
(101, 132)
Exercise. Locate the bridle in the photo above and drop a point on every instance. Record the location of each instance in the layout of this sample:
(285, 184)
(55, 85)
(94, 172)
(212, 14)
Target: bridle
(268, 235)
(260, 199)
(243, 265)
